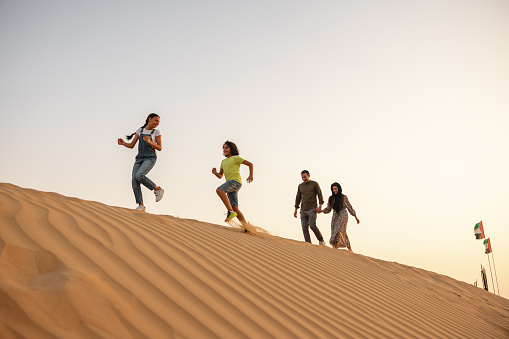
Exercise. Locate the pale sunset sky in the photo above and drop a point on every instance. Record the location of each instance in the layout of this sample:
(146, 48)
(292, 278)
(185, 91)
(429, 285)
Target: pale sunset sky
(404, 103)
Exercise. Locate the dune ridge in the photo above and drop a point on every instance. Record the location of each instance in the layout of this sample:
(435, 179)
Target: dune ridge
(71, 268)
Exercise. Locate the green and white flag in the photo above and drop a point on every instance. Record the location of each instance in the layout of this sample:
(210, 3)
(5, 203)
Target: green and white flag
(479, 230)
(487, 246)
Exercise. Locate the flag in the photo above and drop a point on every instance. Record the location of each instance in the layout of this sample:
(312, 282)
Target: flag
(487, 245)
(479, 230)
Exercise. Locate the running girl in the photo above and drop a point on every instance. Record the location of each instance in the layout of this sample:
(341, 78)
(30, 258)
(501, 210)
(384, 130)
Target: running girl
(228, 191)
(150, 141)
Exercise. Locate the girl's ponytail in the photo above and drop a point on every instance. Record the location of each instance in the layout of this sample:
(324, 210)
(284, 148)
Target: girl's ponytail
(150, 116)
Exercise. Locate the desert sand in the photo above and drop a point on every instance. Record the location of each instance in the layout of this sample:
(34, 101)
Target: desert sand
(71, 268)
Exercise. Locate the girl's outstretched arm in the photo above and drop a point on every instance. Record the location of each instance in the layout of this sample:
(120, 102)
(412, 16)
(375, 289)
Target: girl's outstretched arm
(250, 165)
(218, 175)
(133, 142)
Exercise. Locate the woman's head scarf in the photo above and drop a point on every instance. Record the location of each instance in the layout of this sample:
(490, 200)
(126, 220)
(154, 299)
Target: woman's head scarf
(338, 198)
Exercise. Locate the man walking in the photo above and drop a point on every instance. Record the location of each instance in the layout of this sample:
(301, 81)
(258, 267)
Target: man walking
(307, 193)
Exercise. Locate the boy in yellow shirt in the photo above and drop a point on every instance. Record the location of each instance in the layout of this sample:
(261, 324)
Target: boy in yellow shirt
(230, 167)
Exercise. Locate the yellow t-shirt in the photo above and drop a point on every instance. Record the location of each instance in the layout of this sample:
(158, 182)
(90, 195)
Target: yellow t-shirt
(231, 168)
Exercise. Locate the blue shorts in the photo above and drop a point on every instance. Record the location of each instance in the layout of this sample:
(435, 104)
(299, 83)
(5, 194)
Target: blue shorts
(231, 187)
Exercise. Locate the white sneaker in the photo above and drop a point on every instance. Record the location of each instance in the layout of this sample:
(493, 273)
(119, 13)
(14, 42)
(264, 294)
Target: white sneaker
(140, 208)
(159, 194)
(322, 243)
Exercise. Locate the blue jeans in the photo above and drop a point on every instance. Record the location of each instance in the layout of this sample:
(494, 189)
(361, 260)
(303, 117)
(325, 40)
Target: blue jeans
(307, 220)
(140, 170)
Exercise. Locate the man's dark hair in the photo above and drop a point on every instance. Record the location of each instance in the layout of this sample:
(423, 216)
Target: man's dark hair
(305, 172)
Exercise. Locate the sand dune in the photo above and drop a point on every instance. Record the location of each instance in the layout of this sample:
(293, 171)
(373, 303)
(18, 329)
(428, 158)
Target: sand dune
(71, 268)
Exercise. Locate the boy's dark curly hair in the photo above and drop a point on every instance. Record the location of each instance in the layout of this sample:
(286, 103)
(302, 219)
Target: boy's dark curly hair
(233, 147)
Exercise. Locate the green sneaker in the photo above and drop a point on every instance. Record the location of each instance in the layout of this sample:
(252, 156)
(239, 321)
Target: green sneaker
(230, 216)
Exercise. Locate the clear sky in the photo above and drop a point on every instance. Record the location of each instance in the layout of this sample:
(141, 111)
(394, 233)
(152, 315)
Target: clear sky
(404, 103)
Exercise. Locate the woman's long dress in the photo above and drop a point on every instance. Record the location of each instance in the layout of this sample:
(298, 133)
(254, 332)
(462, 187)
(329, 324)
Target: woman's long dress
(338, 237)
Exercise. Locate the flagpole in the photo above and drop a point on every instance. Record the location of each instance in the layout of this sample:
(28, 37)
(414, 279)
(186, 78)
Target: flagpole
(495, 269)
(489, 262)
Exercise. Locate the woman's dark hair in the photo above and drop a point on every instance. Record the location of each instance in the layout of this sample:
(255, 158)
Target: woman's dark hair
(232, 146)
(150, 116)
(336, 200)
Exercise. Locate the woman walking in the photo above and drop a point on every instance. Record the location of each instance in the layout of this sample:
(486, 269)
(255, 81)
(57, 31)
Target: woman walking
(339, 204)
(150, 141)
